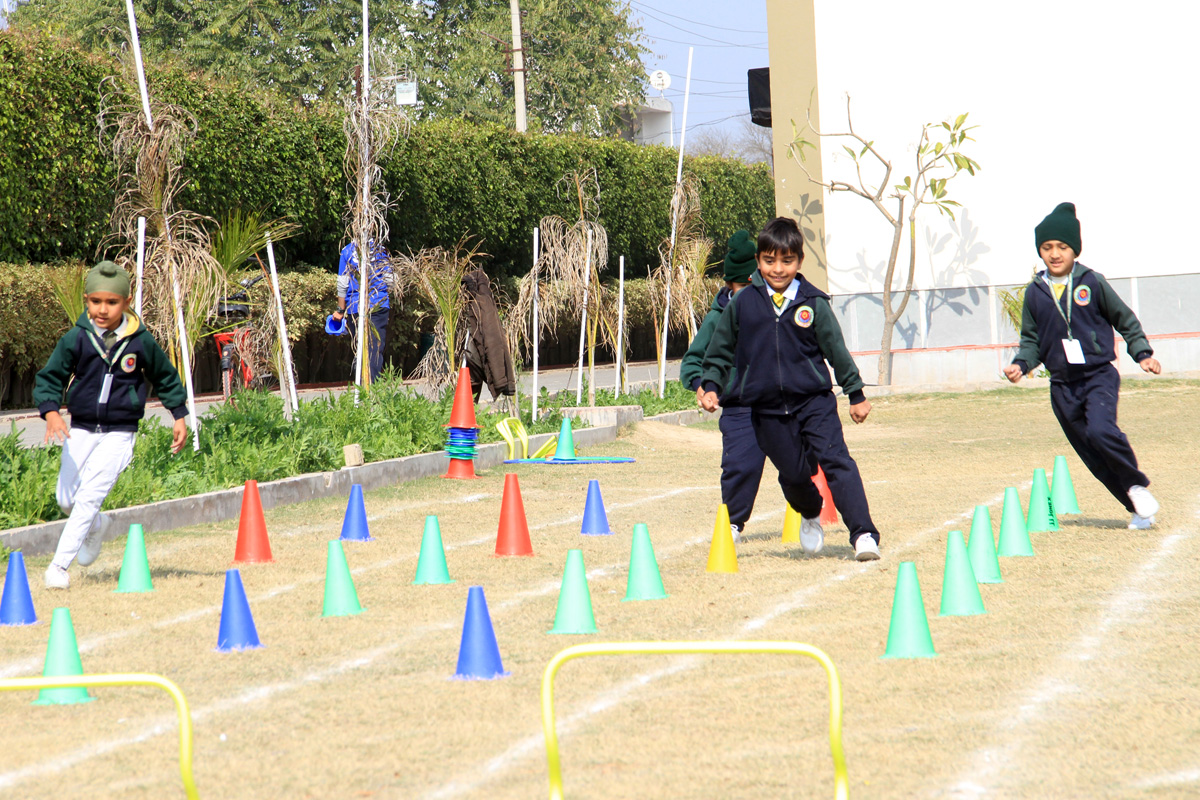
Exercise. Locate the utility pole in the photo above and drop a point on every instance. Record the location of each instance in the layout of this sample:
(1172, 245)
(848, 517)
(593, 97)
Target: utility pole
(518, 63)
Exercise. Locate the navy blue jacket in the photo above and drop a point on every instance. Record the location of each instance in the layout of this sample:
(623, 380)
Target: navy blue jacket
(691, 368)
(80, 365)
(1095, 310)
(779, 359)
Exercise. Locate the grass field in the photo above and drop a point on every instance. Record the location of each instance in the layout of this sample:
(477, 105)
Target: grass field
(1082, 680)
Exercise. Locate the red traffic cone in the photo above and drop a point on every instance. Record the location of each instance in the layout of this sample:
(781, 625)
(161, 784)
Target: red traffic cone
(829, 515)
(461, 469)
(513, 537)
(252, 543)
(462, 414)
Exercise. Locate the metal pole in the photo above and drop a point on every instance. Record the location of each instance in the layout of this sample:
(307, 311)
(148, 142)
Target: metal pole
(536, 328)
(137, 60)
(141, 258)
(620, 324)
(518, 64)
(587, 282)
(362, 373)
(662, 359)
(186, 355)
(287, 383)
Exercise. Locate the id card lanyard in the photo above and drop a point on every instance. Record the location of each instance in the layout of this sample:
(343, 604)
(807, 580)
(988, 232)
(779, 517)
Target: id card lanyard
(1071, 346)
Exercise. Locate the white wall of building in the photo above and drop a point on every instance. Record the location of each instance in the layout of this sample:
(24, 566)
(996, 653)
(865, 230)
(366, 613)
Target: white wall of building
(1094, 103)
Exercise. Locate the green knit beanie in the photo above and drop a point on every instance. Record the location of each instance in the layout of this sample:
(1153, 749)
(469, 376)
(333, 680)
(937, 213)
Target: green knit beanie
(1061, 225)
(107, 277)
(739, 258)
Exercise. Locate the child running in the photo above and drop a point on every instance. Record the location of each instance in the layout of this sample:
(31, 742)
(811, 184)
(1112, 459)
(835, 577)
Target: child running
(777, 335)
(1067, 324)
(104, 363)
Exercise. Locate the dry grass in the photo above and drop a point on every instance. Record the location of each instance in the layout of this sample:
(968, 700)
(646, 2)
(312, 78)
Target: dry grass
(1082, 680)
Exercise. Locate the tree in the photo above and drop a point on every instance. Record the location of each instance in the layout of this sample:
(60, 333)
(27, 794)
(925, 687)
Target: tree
(939, 159)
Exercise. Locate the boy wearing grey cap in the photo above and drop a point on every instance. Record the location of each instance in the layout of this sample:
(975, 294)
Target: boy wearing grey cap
(104, 364)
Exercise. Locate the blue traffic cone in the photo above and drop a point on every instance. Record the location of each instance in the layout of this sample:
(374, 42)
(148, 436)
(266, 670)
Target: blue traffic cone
(237, 630)
(354, 526)
(595, 521)
(478, 654)
(16, 606)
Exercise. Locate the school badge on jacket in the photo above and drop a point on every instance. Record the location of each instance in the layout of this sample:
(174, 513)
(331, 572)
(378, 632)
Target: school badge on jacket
(129, 363)
(1083, 295)
(804, 316)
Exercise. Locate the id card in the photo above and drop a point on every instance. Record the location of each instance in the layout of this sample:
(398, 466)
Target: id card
(1074, 351)
(106, 388)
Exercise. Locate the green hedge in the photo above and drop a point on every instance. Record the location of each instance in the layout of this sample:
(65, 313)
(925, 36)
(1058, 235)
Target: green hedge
(253, 150)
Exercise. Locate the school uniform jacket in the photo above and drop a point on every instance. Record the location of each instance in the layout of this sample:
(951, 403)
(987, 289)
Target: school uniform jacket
(1095, 310)
(134, 360)
(691, 368)
(779, 359)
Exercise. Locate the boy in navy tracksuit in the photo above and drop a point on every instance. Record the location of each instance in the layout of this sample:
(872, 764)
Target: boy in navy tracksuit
(778, 334)
(1067, 324)
(104, 363)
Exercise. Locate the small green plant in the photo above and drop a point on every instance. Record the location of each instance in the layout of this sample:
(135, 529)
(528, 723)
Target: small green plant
(68, 285)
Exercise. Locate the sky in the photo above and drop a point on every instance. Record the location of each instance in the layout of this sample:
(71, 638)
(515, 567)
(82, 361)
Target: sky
(726, 45)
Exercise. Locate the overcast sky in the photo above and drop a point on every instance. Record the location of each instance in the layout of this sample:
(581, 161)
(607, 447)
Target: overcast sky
(726, 42)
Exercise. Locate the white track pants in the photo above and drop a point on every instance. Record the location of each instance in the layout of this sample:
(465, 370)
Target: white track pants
(91, 464)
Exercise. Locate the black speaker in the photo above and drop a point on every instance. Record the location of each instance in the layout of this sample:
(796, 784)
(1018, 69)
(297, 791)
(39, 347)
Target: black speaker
(758, 83)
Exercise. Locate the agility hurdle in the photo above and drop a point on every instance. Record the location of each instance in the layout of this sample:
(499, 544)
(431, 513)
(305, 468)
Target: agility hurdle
(841, 783)
(126, 679)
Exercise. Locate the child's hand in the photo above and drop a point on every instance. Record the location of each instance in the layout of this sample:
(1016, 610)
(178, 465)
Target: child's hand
(700, 395)
(859, 411)
(178, 435)
(1148, 364)
(56, 428)
(709, 400)
(1013, 373)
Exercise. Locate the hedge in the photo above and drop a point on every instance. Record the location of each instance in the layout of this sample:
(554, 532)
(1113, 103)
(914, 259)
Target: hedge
(253, 150)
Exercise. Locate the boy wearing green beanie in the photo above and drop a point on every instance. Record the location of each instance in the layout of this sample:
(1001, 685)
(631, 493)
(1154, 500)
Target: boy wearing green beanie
(104, 364)
(1067, 324)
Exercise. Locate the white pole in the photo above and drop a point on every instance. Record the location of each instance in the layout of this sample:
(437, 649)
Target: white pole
(137, 60)
(287, 383)
(587, 282)
(185, 353)
(620, 324)
(514, 8)
(662, 358)
(537, 336)
(141, 259)
(362, 373)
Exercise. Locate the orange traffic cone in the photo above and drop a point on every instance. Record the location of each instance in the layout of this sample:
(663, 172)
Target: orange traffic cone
(462, 414)
(829, 515)
(461, 468)
(252, 543)
(513, 537)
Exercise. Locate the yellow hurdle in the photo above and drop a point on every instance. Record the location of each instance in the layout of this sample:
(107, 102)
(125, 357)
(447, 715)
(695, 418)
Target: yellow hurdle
(126, 679)
(841, 783)
(512, 431)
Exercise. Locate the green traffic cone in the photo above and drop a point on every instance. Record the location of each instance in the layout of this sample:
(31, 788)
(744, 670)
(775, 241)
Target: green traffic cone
(645, 581)
(908, 633)
(431, 564)
(62, 659)
(982, 548)
(960, 591)
(1014, 539)
(1062, 490)
(1041, 508)
(574, 614)
(341, 598)
(135, 568)
(566, 442)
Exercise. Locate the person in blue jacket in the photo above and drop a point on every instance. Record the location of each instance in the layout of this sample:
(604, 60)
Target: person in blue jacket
(1067, 324)
(741, 458)
(379, 273)
(778, 335)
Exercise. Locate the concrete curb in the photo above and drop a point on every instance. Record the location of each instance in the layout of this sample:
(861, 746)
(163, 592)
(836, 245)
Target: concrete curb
(226, 504)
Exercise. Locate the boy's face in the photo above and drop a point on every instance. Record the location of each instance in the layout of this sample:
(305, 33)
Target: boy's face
(1059, 257)
(735, 286)
(778, 269)
(106, 309)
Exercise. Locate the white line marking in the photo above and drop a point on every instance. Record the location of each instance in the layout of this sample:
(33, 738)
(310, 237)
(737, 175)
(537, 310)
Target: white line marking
(1125, 606)
(1170, 779)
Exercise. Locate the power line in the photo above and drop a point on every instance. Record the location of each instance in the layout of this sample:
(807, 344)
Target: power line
(694, 22)
(685, 30)
(762, 46)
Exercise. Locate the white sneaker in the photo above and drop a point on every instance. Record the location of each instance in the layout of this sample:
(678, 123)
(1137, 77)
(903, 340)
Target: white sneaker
(57, 578)
(1140, 523)
(736, 530)
(1144, 504)
(865, 549)
(89, 551)
(812, 535)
